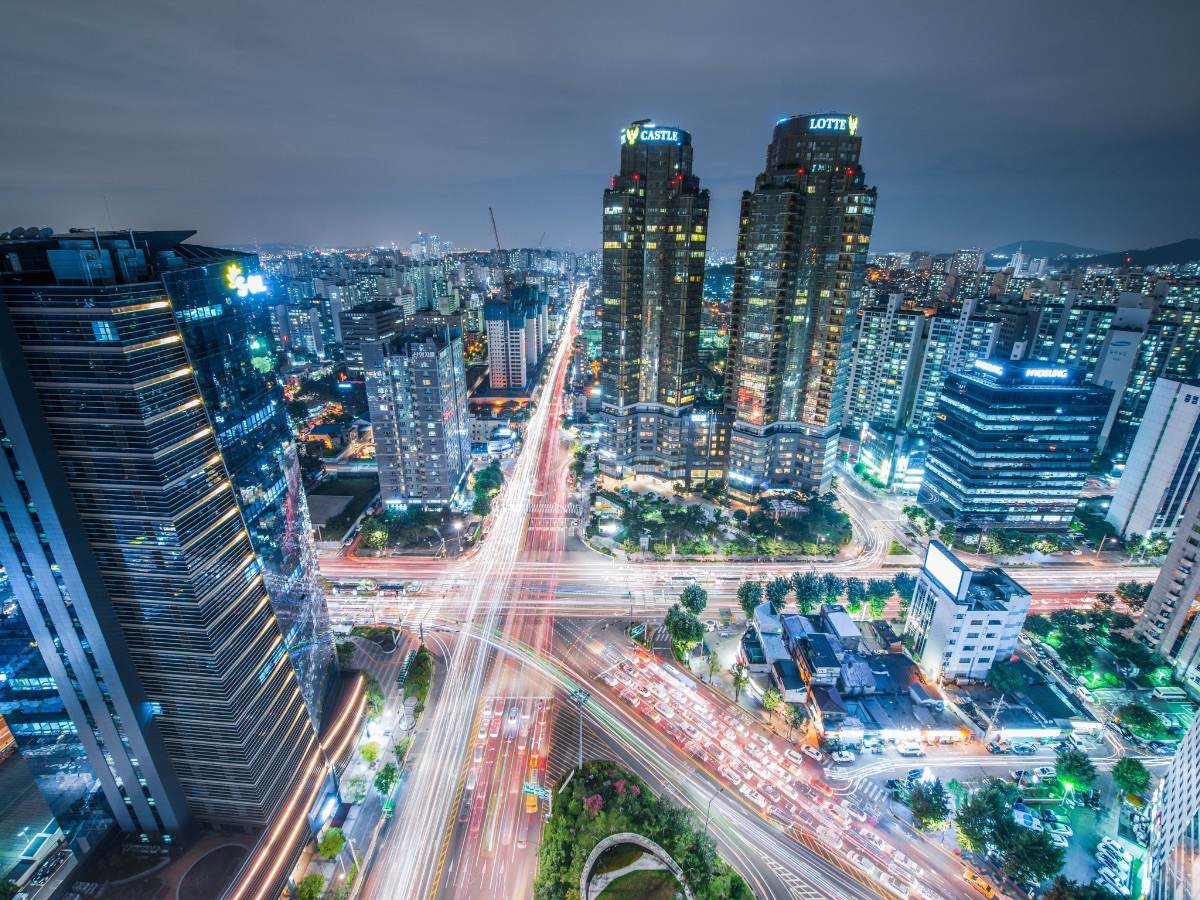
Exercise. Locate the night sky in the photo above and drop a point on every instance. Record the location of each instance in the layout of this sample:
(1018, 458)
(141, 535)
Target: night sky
(355, 123)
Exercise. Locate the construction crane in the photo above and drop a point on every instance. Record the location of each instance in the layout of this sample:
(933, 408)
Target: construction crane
(495, 230)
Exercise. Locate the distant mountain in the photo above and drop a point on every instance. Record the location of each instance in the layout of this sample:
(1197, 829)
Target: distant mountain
(1180, 252)
(1046, 249)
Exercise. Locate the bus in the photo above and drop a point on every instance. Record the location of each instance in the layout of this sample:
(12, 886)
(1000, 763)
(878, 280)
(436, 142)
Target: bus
(531, 800)
(389, 806)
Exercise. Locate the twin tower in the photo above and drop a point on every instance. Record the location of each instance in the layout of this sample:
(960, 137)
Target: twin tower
(803, 237)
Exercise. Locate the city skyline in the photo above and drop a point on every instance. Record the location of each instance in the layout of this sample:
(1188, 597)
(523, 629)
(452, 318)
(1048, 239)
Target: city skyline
(261, 143)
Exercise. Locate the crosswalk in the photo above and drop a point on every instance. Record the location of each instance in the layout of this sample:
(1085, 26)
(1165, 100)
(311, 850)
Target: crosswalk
(872, 792)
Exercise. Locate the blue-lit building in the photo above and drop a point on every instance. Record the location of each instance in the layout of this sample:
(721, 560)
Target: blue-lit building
(518, 335)
(1012, 445)
(155, 537)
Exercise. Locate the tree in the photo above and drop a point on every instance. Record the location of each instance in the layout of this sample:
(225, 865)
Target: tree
(904, 584)
(1131, 776)
(374, 697)
(311, 887)
(985, 818)
(1134, 715)
(749, 595)
(741, 678)
(832, 586)
(1075, 650)
(331, 843)
(930, 805)
(1038, 625)
(369, 752)
(948, 534)
(685, 629)
(777, 591)
(1075, 769)
(1065, 619)
(1005, 678)
(1062, 888)
(694, 598)
(386, 778)
(879, 587)
(796, 718)
(771, 699)
(807, 586)
(1119, 621)
(1135, 593)
(1105, 600)
(855, 592)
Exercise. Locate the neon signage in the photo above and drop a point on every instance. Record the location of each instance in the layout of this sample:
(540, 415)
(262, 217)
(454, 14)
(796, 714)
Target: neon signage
(244, 285)
(845, 124)
(1046, 373)
(650, 134)
(985, 366)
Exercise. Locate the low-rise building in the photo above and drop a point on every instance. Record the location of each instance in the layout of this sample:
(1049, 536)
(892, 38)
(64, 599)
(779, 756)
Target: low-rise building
(818, 659)
(961, 621)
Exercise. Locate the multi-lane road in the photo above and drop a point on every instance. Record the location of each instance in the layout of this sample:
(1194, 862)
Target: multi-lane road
(515, 626)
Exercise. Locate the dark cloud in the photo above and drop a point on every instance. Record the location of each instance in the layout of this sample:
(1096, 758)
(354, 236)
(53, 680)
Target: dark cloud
(362, 122)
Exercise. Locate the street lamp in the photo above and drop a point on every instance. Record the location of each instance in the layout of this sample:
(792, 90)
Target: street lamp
(708, 808)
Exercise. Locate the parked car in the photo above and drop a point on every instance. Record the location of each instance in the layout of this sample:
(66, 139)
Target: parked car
(1024, 749)
(1115, 847)
(1025, 820)
(1043, 773)
(812, 753)
(1059, 840)
(1062, 828)
(914, 775)
(910, 749)
(994, 747)
(843, 756)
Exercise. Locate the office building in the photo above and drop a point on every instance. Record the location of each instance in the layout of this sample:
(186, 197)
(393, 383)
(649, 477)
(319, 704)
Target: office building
(1012, 445)
(652, 281)
(1164, 463)
(518, 336)
(1170, 348)
(1173, 869)
(954, 340)
(802, 253)
(1168, 621)
(417, 395)
(961, 621)
(886, 364)
(139, 519)
(379, 320)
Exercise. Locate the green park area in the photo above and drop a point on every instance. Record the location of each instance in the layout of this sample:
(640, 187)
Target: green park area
(808, 526)
(603, 799)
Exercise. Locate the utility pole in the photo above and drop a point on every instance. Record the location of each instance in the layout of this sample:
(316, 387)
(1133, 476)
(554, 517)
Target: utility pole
(580, 698)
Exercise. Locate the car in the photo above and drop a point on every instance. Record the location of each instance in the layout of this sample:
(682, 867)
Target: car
(1162, 748)
(895, 886)
(1019, 775)
(1084, 694)
(994, 747)
(863, 864)
(1043, 773)
(1025, 820)
(914, 775)
(1115, 847)
(1062, 828)
(1059, 840)
(1024, 749)
(843, 756)
(812, 753)
(894, 784)
(729, 775)
(1108, 873)
(793, 755)
(1121, 889)
(1107, 858)
(980, 883)
(910, 749)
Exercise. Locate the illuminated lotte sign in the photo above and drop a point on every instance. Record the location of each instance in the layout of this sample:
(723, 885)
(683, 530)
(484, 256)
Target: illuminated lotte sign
(650, 134)
(244, 286)
(844, 124)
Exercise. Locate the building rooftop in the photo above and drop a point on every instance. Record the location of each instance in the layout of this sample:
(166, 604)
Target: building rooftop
(788, 674)
(818, 649)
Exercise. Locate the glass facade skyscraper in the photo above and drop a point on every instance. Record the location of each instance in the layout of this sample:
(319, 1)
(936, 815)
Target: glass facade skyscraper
(655, 235)
(1012, 445)
(802, 250)
(152, 526)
